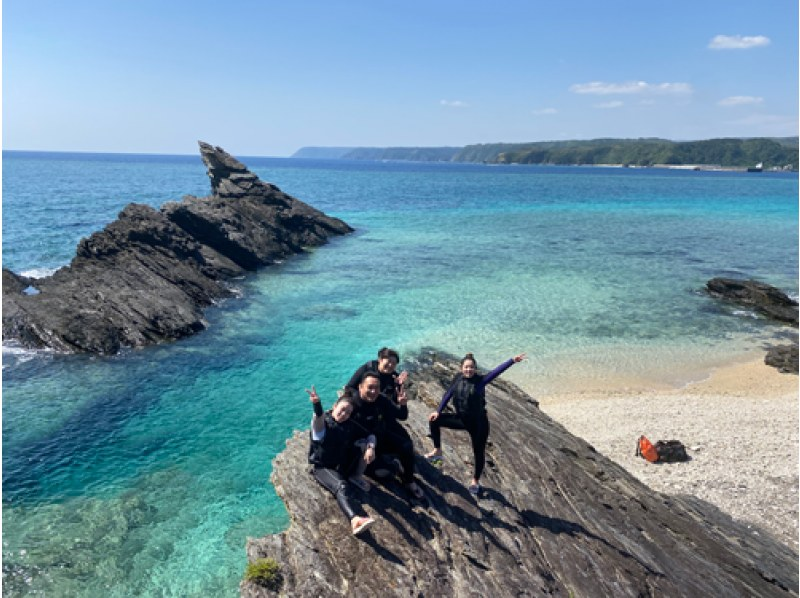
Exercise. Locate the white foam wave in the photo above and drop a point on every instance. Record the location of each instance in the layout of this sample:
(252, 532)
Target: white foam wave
(38, 272)
(21, 354)
(745, 313)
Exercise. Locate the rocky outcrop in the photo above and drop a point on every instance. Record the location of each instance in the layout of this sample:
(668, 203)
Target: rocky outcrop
(769, 302)
(556, 518)
(761, 297)
(148, 276)
(783, 357)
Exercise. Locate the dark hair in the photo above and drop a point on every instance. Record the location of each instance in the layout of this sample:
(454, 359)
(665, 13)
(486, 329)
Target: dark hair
(348, 398)
(369, 374)
(386, 353)
(469, 357)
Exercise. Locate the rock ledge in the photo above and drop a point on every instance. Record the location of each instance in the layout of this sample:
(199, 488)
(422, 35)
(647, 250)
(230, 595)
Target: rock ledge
(557, 518)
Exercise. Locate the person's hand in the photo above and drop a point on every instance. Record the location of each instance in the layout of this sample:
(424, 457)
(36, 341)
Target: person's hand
(402, 398)
(520, 357)
(312, 394)
(433, 417)
(369, 454)
(402, 377)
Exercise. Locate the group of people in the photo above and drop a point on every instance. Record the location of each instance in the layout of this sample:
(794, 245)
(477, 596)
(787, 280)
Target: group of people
(362, 434)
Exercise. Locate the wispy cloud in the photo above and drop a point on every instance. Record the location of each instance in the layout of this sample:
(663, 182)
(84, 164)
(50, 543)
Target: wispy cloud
(740, 101)
(737, 42)
(630, 87)
(610, 105)
(454, 103)
(544, 111)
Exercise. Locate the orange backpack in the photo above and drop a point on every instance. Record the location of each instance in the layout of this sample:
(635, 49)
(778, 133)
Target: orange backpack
(645, 448)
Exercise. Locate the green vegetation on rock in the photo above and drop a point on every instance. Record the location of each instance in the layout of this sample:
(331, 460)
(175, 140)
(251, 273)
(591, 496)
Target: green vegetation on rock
(264, 572)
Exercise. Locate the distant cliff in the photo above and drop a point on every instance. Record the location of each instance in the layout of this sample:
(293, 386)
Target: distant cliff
(780, 153)
(147, 277)
(556, 519)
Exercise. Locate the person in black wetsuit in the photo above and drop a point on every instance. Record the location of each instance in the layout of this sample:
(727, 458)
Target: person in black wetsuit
(377, 415)
(386, 366)
(468, 392)
(334, 455)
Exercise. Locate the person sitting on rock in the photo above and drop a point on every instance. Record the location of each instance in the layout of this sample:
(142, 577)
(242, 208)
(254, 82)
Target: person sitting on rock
(333, 455)
(468, 391)
(376, 414)
(386, 366)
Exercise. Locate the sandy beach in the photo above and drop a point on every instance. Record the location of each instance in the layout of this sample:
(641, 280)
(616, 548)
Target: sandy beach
(740, 426)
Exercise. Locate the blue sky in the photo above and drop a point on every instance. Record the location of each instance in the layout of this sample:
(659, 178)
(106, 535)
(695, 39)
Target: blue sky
(264, 78)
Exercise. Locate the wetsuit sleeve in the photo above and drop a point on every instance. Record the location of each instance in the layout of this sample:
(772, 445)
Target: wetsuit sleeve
(445, 399)
(496, 372)
(317, 427)
(356, 378)
(401, 412)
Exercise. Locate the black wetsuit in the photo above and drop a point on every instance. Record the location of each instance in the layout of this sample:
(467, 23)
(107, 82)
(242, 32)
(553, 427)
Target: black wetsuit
(334, 458)
(380, 418)
(388, 381)
(469, 398)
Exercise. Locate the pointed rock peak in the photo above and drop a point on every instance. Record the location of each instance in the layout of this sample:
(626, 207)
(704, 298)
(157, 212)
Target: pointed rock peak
(229, 177)
(218, 161)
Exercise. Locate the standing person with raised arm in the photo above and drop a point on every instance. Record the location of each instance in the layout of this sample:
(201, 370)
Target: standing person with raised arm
(334, 455)
(468, 392)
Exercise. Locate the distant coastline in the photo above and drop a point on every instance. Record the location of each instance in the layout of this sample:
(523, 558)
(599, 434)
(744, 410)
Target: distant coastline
(734, 154)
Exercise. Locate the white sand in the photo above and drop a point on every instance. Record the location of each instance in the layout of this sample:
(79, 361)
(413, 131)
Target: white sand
(740, 426)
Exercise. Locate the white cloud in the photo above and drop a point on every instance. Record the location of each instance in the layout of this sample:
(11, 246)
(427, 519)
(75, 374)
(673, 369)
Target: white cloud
(737, 42)
(454, 103)
(609, 105)
(740, 101)
(629, 87)
(545, 111)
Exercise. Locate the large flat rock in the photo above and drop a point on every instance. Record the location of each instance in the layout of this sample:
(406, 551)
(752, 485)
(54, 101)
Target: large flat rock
(557, 518)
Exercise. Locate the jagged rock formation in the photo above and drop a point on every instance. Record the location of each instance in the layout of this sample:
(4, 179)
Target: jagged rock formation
(147, 277)
(759, 296)
(557, 518)
(768, 301)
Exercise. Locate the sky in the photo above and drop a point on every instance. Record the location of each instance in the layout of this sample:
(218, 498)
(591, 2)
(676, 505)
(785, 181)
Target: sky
(267, 77)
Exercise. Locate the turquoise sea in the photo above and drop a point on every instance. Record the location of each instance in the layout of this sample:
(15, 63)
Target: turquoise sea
(142, 474)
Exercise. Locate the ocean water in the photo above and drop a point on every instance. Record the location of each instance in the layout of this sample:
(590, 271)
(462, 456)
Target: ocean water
(142, 474)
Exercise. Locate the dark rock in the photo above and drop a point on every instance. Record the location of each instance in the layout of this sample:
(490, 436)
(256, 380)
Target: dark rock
(759, 296)
(557, 518)
(768, 301)
(784, 358)
(147, 277)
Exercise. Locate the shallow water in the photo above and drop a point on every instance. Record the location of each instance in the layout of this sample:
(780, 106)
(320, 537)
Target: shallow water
(142, 474)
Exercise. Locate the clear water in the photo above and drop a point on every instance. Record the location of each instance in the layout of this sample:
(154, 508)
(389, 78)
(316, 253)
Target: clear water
(142, 474)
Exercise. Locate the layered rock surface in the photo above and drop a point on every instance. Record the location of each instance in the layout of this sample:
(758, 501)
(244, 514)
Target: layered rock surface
(557, 518)
(148, 276)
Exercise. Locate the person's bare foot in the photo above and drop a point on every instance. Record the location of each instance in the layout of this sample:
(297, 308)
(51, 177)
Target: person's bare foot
(361, 524)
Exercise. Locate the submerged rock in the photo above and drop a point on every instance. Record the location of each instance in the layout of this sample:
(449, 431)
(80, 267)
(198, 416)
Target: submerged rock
(763, 298)
(148, 276)
(556, 518)
(768, 301)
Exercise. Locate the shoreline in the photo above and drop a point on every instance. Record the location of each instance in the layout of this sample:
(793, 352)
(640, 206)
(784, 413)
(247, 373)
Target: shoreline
(739, 424)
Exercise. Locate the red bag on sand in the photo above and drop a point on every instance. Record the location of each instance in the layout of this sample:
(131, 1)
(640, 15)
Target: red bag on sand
(645, 448)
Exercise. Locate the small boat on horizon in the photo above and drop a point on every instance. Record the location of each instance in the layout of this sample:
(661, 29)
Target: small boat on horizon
(757, 168)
